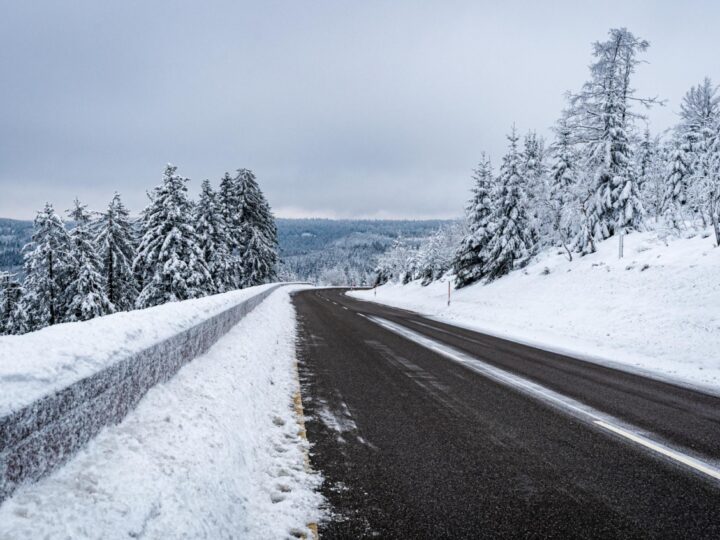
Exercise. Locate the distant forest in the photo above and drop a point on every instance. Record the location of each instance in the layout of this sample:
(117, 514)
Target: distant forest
(317, 250)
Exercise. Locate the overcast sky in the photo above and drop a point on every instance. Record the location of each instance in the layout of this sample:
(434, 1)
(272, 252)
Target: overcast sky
(343, 109)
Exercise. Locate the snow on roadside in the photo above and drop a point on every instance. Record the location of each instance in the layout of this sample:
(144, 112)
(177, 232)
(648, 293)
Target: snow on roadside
(38, 363)
(213, 453)
(656, 311)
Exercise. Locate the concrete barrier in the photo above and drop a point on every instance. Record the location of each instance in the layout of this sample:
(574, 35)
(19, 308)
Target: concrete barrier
(41, 436)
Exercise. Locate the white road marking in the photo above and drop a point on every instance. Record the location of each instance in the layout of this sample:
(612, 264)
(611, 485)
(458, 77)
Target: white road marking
(346, 309)
(568, 404)
(696, 464)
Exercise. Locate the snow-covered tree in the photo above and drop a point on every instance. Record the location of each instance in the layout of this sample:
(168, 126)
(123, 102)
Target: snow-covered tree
(650, 173)
(48, 265)
(562, 204)
(534, 171)
(213, 236)
(470, 259)
(230, 202)
(711, 183)
(513, 242)
(85, 296)
(700, 115)
(169, 256)
(437, 253)
(259, 244)
(602, 117)
(116, 249)
(13, 317)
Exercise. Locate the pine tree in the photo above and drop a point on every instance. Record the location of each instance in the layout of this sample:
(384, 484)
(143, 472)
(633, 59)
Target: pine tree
(213, 235)
(116, 248)
(47, 270)
(512, 244)
(469, 262)
(712, 182)
(649, 166)
(564, 175)
(85, 296)
(602, 117)
(259, 244)
(230, 203)
(534, 171)
(169, 257)
(13, 318)
(679, 173)
(700, 113)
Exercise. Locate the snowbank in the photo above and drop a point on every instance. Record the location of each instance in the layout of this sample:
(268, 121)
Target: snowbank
(39, 363)
(213, 453)
(657, 310)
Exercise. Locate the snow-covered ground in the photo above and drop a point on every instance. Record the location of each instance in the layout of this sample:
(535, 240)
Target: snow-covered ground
(35, 364)
(657, 310)
(214, 453)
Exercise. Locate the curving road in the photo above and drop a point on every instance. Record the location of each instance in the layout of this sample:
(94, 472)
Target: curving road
(426, 430)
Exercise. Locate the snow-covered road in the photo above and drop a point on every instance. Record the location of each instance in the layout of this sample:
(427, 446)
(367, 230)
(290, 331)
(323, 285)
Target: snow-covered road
(216, 452)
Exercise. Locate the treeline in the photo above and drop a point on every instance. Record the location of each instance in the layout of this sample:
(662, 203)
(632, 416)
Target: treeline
(177, 250)
(603, 175)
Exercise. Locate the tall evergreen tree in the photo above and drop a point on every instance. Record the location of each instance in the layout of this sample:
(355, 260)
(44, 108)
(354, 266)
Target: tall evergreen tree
(213, 235)
(513, 243)
(650, 173)
(230, 203)
(13, 318)
(564, 175)
(169, 257)
(470, 262)
(711, 184)
(259, 244)
(602, 117)
(85, 296)
(47, 270)
(700, 114)
(680, 170)
(116, 248)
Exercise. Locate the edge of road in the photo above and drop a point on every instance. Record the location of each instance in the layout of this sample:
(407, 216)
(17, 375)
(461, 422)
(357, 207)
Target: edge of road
(575, 354)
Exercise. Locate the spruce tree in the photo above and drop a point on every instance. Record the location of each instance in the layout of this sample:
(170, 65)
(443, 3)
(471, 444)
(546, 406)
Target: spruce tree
(680, 171)
(602, 117)
(564, 179)
(469, 262)
(85, 296)
(229, 199)
(259, 245)
(13, 318)
(116, 248)
(47, 270)
(513, 243)
(169, 257)
(213, 236)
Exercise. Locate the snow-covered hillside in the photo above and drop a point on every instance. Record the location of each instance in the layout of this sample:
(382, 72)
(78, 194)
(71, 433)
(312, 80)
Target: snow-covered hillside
(656, 310)
(216, 452)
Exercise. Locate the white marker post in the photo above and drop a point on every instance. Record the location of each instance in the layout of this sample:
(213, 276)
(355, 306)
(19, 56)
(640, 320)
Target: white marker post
(448, 293)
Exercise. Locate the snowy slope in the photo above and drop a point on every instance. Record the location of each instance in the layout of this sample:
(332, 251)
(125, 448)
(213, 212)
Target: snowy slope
(213, 453)
(35, 364)
(657, 310)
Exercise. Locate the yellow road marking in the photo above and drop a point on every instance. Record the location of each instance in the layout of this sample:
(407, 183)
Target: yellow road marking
(300, 413)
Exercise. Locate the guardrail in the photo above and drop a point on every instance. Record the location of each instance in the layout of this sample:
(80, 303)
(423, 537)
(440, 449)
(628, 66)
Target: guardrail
(41, 436)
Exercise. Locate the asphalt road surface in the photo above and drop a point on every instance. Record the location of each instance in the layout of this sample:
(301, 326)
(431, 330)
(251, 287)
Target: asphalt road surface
(426, 430)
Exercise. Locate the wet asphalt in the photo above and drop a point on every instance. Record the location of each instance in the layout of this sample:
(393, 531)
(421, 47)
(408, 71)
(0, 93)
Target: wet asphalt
(414, 445)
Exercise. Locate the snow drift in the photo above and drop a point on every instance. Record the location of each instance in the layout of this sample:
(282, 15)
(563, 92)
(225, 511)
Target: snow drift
(213, 453)
(62, 384)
